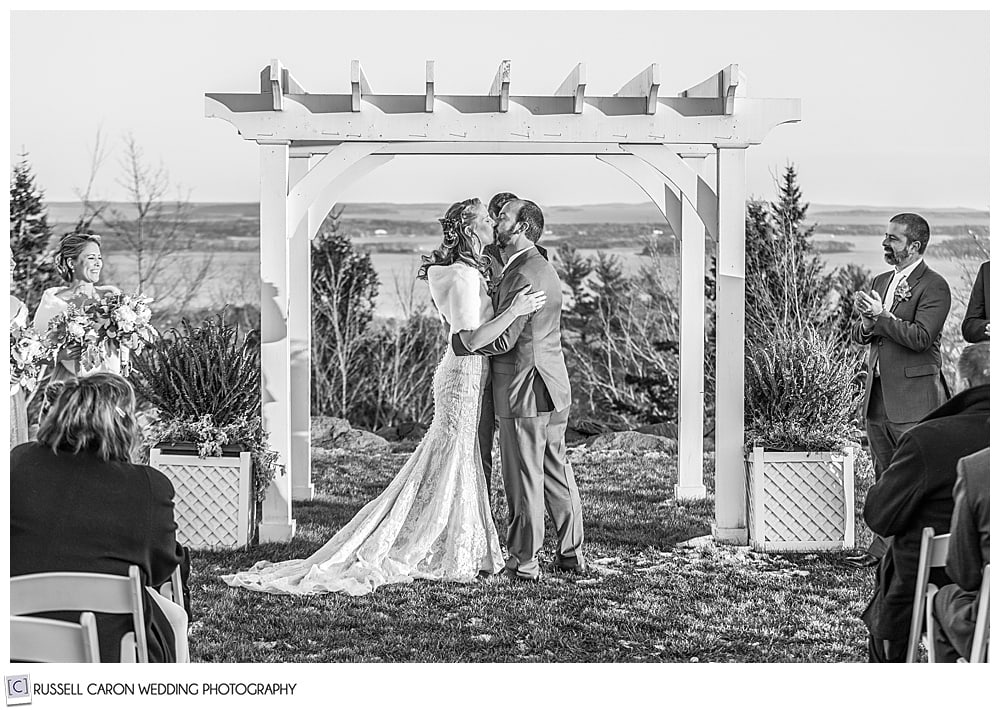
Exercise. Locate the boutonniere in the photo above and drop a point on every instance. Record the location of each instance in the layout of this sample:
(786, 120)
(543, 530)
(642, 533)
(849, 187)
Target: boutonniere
(902, 292)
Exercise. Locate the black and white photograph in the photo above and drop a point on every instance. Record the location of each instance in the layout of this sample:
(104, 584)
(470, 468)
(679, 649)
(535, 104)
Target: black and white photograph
(510, 336)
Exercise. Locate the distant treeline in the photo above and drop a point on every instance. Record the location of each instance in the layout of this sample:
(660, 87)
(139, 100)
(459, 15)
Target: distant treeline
(243, 234)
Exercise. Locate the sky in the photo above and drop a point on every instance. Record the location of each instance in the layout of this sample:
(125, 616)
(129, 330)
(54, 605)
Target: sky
(895, 106)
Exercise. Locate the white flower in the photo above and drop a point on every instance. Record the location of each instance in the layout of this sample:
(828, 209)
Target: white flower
(75, 330)
(126, 318)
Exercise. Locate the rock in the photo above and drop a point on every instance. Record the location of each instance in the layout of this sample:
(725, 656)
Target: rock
(407, 431)
(664, 429)
(334, 433)
(359, 440)
(632, 442)
(325, 430)
(575, 437)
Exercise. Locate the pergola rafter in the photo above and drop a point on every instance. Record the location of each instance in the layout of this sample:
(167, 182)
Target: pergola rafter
(314, 146)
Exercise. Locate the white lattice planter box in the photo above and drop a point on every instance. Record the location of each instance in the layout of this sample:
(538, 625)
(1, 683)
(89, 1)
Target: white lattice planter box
(801, 501)
(212, 497)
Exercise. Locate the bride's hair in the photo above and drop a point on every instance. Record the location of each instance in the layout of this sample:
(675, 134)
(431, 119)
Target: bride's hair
(458, 241)
(70, 247)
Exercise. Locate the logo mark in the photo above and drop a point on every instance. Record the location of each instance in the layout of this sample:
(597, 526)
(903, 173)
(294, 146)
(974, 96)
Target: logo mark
(18, 688)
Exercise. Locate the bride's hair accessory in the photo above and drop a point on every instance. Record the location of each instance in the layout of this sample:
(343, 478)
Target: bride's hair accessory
(457, 239)
(70, 247)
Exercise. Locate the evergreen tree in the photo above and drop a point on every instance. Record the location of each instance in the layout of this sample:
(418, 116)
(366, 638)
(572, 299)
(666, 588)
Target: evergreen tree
(30, 236)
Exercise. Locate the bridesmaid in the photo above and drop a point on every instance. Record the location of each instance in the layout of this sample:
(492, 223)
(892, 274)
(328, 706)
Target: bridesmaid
(79, 262)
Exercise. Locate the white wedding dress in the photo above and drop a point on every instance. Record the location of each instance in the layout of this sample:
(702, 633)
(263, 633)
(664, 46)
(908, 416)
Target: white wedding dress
(433, 521)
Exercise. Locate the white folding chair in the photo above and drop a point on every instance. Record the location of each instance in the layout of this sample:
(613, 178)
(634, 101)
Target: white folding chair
(173, 589)
(933, 553)
(981, 636)
(36, 640)
(83, 591)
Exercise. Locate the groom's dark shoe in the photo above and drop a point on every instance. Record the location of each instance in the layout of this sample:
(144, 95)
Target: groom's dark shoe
(571, 565)
(511, 574)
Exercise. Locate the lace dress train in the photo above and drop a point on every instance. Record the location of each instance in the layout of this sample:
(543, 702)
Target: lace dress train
(433, 521)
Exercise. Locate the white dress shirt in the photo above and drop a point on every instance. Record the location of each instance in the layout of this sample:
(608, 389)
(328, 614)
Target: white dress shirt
(890, 294)
(514, 256)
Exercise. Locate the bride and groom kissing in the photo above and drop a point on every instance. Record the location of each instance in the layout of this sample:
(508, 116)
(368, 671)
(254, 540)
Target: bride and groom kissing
(433, 520)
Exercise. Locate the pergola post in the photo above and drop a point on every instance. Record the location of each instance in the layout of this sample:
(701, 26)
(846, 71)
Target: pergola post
(691, 405)
(300, 335)
(730, 472)
(276, 523)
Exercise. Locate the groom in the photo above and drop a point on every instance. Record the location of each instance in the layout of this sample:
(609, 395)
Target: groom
(531, 393)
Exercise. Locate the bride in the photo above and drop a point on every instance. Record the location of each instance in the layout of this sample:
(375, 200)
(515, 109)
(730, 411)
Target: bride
(433, 521)
(79, 262)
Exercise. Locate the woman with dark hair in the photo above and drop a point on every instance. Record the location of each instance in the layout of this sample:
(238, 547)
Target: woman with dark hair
(78, 504)
(433, 521)
(79, 261)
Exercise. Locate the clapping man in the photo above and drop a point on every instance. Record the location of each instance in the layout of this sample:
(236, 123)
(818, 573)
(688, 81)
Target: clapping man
(901, 321)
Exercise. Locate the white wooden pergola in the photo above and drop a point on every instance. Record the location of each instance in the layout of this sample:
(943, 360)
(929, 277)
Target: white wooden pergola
(313, 146)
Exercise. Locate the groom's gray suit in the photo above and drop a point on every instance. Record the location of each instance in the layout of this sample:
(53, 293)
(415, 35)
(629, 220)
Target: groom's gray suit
(531, 393)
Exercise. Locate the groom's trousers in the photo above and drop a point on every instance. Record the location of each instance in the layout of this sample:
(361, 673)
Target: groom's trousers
(537, 478)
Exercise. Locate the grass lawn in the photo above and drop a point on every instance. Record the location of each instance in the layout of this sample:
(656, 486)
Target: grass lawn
(645, 598)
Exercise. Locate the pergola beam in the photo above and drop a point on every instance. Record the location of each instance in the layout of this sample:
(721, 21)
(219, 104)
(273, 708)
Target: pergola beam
(359, 85)
(645, 84)
(278, 82)
(726, 84)
(501, 85)
(575, 85)
(429, 92)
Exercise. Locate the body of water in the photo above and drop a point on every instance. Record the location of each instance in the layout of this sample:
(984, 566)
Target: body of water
(234, 276)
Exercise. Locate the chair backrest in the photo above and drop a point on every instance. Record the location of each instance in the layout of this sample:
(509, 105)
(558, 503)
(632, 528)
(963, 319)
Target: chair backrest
(174, 588)
(47, 641)
(83, 591)
(933, 553)
(981, 636)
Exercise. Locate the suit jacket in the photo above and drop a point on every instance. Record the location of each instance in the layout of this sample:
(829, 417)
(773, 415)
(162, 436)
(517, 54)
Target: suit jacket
(526, 364)
(977, 315)
(906, 342)
(915, 492)
(969, 546)
(76, 513)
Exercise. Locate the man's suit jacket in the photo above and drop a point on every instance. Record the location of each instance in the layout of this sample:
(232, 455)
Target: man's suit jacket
(968, 552)
(916, 492)
(977, 315)
(527, 365)
(906, 341)
(969, 546)
(76, 513)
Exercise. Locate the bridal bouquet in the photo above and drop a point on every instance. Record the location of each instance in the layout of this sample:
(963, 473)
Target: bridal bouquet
(27, 354)
(74, 326)
(121, 321)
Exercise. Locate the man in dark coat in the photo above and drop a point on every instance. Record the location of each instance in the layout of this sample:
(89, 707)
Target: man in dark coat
(956, 606)
(915, 492)
(976, 326)
(901, 322)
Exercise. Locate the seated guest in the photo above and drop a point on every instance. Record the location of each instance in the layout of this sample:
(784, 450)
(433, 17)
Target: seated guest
(78, 504)
(956, 606)
(976, 326)
(915, 492)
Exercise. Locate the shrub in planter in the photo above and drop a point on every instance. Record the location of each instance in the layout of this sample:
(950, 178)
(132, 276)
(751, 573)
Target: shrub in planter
(801, 400)
(204, 382)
